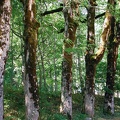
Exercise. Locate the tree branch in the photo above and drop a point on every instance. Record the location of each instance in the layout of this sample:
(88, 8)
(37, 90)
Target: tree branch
(52, 11)
(100, 15)
(103, 40)
(85, 20)
(97, 16)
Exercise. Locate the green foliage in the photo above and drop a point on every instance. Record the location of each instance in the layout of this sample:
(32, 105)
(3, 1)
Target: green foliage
(14, 108)
(49, 59)
(101, 75)
(57, 117)
(13, 102)
(108, 90)
(117, 81)
(117, 11)
(80, 116)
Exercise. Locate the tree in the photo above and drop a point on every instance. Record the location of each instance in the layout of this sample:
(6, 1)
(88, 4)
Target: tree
(91, 58)
(90, 66)
(30, 44)
(112, 47)
(70, 12)
(5, 11)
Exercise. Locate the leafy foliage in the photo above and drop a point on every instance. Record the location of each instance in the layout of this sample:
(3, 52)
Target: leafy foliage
(49, 59)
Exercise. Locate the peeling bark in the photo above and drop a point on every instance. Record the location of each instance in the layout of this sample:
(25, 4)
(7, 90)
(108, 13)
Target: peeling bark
(70, 10)
(5, 11)
(30, 80)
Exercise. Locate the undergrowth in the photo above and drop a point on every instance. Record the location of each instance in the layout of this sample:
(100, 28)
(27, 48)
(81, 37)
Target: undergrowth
(14, 108)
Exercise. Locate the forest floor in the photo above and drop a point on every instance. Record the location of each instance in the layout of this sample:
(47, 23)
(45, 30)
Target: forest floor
(14, 108)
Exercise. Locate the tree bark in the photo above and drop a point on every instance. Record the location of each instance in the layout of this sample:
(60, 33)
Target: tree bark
(92, 59)
(70, 10)
(30, 80)
(5, 11)
(90, 65)
(111, 67)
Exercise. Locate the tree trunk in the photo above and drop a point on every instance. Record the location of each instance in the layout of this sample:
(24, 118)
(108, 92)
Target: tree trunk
(111, 67)
(30, 80)
(70, 31)
(90, 65)
(5, 11)
(92, 59)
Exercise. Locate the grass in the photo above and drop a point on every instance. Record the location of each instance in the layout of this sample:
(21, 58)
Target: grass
(14, 108)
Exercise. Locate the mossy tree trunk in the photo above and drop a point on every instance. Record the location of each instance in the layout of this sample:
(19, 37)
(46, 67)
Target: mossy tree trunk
(30, 79)
(92, 59)
(90, 64)
(113, 45)
(5, 11)
(70, 11)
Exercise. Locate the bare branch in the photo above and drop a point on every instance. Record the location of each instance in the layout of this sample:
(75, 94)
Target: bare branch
(52, 11)
(100, 15)
(97, 16)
